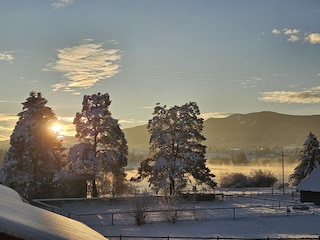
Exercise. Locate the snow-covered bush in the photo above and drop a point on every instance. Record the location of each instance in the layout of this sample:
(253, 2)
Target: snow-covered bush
(257, 178)
(140, 207)
(169, 206)
(234, 180)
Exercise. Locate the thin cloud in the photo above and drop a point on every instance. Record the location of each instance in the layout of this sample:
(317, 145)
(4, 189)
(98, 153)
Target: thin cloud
(66, 119)
(215, 115)
(84, 65)
(127, 123)
(8, 121)
(67, 126)
(5, 56)
(311, 95)
(313, 38)
(62, 3)
(146, 107)
(8, 117)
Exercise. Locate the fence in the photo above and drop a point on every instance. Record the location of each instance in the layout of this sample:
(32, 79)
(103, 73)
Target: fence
(240, 205)
(120, 237)
(257, 207)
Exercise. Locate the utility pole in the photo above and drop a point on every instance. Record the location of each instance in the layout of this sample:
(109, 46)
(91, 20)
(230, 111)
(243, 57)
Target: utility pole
(282, 157)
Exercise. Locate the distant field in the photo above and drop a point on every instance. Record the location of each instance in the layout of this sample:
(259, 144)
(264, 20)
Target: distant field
(221, 170)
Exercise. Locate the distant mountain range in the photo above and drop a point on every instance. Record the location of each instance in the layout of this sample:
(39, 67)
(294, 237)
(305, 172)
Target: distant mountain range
(260, 129)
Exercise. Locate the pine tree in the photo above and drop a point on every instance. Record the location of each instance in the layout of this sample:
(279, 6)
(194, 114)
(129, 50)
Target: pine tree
(309, 159)
(35, 153)
(176, 154)
(103, 148)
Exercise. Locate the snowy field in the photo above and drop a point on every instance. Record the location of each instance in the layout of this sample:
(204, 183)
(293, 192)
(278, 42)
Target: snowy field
(252, 214)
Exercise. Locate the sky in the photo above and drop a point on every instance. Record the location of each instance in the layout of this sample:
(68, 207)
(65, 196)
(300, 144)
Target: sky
(231, 56)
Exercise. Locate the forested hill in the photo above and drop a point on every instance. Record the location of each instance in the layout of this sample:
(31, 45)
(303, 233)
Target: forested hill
(261, 129)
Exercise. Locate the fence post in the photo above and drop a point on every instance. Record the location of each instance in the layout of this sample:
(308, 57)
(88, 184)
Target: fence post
(234, 213)
(120, 237)
(112, 220)
(168, 238)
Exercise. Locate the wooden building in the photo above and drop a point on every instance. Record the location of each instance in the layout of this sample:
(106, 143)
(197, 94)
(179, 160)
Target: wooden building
(309, 188)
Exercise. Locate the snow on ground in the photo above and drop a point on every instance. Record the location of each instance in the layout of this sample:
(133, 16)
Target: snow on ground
(256, 216)
(25, 221)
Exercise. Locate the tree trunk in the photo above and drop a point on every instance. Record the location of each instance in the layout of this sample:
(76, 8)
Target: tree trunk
(172, 190)
(94, 192)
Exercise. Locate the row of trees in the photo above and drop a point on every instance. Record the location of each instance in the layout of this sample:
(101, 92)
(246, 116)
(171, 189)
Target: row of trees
(36, 164)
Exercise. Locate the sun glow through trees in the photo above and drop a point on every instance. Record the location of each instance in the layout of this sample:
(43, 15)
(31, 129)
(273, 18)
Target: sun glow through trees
(56, 128)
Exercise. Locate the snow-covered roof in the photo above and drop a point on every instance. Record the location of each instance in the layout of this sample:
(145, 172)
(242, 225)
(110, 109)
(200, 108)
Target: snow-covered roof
(22, 220)
(311, 182)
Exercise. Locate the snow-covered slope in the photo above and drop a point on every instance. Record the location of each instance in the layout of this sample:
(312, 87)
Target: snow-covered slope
(22, 220)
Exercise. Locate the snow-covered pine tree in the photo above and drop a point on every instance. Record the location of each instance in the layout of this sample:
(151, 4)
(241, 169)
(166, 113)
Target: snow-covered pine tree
(35, 153)
(102, 152)
(176, 154)
(309, 159)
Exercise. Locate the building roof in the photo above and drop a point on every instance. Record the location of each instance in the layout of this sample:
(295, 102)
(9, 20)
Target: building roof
(311, 182)
(22, 220)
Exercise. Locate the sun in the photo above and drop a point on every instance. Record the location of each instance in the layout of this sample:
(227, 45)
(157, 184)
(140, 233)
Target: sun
(56, 128)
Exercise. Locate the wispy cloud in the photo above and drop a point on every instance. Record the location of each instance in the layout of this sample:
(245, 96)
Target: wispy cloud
(311, 95)
(8, 121)
(215, 115)
(6, 56)
(146, 107)
(62, 3)
(67, 127)
(127, 123)
(84, 65)
(8, 117)
(295, 35)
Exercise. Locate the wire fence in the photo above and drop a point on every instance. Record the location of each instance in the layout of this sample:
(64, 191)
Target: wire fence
(242, 206)
(114, 213)
(122, 237)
